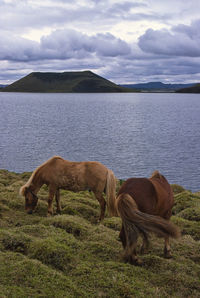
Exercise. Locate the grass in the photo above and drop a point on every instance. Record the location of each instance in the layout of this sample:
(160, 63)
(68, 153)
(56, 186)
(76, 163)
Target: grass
(72, 255)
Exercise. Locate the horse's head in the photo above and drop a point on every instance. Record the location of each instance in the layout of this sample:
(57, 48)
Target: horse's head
(30, 200)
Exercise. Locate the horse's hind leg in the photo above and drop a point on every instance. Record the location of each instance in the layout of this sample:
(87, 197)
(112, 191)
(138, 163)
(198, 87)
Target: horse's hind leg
(102, 203)
(122, 236)
(130, 245)
(130, 255)
(57, 195)
(145, 244)
(167, 249)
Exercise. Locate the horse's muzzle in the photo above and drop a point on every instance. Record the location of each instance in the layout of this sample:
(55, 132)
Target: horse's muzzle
(30, 211)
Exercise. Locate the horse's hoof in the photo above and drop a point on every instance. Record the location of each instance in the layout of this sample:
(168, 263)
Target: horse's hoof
(133, 261)
(167, 254)
(58, 212)
(50, 214)
(144, 251)
(137, 262)
(100, 220)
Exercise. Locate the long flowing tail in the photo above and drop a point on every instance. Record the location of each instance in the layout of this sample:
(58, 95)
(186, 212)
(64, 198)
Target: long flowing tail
(111, 193)
(135, 221)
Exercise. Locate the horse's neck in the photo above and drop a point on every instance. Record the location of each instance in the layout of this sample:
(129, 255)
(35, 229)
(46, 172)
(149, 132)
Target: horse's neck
(36, 184)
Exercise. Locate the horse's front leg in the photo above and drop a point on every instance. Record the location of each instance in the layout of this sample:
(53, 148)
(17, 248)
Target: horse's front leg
(52, 191)
(58, 210)
(102, 203)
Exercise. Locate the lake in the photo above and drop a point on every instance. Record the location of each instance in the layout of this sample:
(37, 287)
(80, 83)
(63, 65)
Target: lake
(131, 133)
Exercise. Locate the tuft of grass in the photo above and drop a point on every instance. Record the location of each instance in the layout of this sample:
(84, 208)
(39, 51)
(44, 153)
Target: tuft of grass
(52, 253)
(177, 188)
(113, 223)
(190, 213)
(21, 276)
(188, 227)
(71, 224)
(81, 210)
(18, 242)
(185, 200)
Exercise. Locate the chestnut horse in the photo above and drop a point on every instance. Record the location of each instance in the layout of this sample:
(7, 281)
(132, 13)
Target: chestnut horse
(145, 205)
(58, 173)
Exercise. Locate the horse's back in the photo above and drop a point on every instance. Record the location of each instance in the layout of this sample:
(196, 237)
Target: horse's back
(142, 191)
(95, 174)
(153, 196)
(54, 164)
(95, 167)
(74, 175)
(165, 195)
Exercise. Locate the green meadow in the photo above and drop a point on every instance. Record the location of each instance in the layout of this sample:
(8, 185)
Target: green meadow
(72, 255)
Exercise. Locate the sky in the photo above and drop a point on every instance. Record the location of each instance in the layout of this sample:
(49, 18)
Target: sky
(123, 41)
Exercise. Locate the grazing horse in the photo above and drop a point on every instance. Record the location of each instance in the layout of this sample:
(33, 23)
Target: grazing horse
(58, 173)
(145, 205)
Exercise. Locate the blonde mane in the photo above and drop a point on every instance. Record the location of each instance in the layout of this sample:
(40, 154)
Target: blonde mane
(28, 183)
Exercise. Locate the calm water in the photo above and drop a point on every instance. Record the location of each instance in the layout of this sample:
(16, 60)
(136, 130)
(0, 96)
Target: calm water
(133, 134)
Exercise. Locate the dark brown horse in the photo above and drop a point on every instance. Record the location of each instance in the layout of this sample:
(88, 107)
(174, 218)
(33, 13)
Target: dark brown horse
(58, 173)
(145, 205)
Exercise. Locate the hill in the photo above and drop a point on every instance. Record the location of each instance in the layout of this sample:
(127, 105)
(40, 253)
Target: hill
(85, 81)
(2, 86)
(157, 86)
(71, 255)
(193, 89)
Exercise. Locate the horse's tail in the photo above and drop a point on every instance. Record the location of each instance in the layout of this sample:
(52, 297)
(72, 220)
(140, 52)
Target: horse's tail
(135, 221)
(111, 193)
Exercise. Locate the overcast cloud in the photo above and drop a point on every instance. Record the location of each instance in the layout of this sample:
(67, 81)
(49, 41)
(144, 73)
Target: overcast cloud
(123, 41)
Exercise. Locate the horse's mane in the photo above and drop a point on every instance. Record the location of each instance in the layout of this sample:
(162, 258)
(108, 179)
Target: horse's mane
(28, 183)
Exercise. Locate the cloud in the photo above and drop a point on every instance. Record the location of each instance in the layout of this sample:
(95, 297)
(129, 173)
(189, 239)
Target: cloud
(191, 31)
(16, 48)
(182, 40)
(71, 43)
(62, 44)
(95, 16)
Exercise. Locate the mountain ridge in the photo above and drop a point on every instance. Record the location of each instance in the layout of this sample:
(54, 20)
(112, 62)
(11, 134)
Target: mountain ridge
(88, 82)
(159, 86)
(65, 82)
(192, 89)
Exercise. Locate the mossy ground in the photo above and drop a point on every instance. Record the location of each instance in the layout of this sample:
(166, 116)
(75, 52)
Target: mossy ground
(72, 255)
